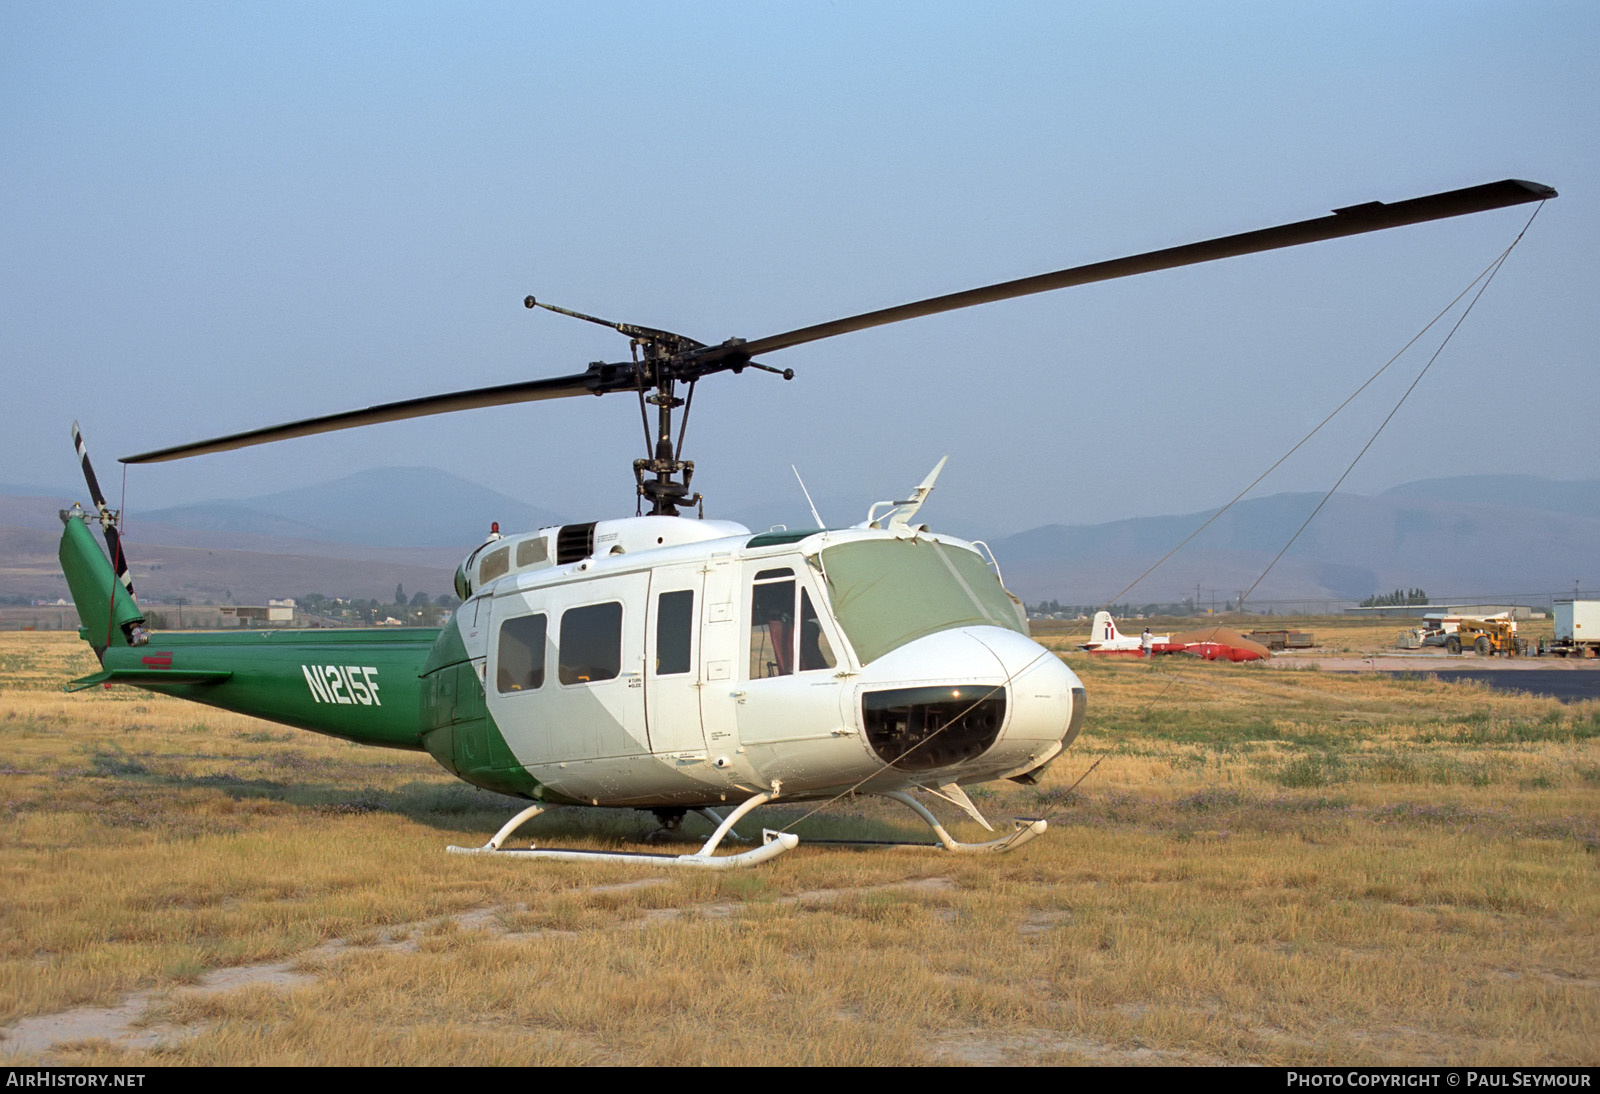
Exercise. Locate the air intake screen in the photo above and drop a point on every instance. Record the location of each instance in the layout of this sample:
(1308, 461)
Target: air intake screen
(574, 543)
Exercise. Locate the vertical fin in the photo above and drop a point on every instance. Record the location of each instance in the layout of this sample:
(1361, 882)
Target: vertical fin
(103, 595)
(108, 613)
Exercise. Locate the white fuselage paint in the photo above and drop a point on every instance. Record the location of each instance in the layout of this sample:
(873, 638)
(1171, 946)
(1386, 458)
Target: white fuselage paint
(711, 733)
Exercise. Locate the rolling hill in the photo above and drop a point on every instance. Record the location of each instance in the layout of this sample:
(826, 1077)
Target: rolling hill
(361, 535)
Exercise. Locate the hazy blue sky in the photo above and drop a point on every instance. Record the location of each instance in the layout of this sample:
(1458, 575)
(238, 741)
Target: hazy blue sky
(219, 216)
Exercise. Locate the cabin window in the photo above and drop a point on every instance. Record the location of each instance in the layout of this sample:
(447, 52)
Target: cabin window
(521, 654)
(531, 552)
(591, 643)
(495, 564)
(777, 645)
(674, 632)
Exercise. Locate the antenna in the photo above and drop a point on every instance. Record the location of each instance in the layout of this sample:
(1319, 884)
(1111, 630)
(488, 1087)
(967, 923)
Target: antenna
(807, 493)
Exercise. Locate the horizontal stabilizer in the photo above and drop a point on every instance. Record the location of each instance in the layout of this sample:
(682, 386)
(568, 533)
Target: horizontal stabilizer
(146, 677)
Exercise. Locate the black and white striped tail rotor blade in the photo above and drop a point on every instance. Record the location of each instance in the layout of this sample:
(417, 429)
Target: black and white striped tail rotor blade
(95, 493)
(108, 520)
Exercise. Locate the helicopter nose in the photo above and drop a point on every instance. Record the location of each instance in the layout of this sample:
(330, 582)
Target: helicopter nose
(930, 707)
(1046, 697)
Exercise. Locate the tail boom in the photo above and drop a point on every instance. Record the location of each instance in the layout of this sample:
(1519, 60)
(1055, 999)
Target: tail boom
(359, 685)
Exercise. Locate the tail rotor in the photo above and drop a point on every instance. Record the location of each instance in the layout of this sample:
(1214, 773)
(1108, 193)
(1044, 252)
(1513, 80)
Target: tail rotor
(108, 516)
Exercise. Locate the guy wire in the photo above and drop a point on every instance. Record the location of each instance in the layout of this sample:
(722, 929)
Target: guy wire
(1494, 268)
(1488, 272)
(1486, 276)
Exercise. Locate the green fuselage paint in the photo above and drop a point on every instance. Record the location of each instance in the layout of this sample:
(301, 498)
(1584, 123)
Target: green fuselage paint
(359, 685)
(458, 730)
(412, 688)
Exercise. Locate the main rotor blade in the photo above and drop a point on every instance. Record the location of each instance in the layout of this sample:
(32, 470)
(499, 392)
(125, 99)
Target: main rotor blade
(527, 391)
(1371, 217)
(736, 354)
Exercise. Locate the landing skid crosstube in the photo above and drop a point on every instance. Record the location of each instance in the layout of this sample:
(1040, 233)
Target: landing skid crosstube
(772, 845)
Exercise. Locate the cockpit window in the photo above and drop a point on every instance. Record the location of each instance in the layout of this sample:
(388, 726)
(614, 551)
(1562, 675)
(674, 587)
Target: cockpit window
(772, 629)
(815, 652)
(785, 634)
(887, 592)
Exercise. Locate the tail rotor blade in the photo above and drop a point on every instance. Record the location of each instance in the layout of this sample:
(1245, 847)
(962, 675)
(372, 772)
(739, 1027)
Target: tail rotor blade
(95, 493)
(108, 519)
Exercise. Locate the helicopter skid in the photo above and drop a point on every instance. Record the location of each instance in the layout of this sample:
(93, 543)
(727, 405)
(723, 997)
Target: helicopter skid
(1024, 832)
(772, 844)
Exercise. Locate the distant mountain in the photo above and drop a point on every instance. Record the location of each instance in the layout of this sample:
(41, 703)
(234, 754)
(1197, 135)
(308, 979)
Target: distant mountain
(1472, 536)
(40, 514)
(1580, 498)
(359, 536)
(391, 506)
(211, 575)
(355, 537)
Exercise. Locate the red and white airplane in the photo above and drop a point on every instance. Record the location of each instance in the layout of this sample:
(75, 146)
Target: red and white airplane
(1105, 638)
(1211, 643)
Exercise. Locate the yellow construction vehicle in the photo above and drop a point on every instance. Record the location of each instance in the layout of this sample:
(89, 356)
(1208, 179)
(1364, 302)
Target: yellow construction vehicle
(1487, 637)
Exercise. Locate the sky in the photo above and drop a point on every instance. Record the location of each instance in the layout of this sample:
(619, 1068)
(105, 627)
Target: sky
(222, 216)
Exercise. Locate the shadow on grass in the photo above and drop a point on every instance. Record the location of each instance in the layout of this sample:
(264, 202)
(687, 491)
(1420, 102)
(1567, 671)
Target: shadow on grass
(461, 808)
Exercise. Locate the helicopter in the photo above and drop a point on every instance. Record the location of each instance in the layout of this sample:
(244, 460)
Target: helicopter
(671, 663)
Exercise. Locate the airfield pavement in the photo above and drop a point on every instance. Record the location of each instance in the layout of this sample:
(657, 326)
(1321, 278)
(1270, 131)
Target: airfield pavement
(1569, 680)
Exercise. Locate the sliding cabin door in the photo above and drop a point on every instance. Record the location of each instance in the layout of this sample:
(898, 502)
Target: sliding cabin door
(566, 670)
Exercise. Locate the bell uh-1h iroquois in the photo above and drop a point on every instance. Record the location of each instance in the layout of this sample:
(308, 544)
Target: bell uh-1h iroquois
(672, 664)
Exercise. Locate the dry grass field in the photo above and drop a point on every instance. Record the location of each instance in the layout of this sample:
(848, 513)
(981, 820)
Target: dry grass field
(1269, 865)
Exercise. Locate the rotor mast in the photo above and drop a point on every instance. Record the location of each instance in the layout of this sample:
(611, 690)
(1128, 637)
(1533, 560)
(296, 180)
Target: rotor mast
(664, 462)
(655, 355)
